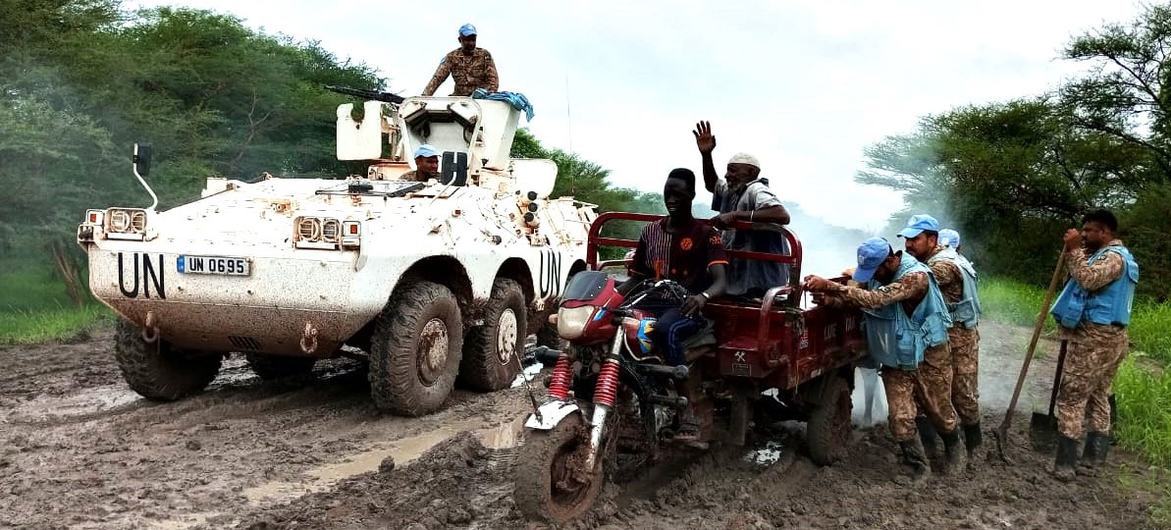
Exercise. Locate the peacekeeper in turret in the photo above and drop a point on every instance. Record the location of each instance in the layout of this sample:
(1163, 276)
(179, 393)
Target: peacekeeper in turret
(426, 165)
(1093, 311)
(957, 281)
(906, 332)
(470, 67)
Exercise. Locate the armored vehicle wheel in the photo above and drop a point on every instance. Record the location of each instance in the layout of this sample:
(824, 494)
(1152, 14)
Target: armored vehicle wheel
(415, 350)
(828, 430)
(492, 351)
(158, 371)
(270, 367)
(546, 487)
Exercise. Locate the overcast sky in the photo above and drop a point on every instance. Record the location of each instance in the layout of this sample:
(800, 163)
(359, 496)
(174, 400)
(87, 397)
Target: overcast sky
(804, 85)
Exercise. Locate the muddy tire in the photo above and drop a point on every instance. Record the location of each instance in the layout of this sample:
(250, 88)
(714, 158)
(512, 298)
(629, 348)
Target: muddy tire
(542, 489)
(416, 349)
(828, 430)
(271, 367)
(492, 352)
(158, 371)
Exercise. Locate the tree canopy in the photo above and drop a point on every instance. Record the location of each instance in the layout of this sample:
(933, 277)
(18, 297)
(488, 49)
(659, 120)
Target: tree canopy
(1012, 175)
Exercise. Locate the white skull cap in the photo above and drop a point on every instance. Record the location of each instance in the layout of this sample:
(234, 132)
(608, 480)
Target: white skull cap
(744, 158)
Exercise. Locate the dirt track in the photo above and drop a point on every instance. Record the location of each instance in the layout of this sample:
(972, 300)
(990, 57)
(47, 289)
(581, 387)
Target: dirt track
(79, 450)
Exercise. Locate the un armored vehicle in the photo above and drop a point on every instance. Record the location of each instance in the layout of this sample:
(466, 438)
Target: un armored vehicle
(431, 281)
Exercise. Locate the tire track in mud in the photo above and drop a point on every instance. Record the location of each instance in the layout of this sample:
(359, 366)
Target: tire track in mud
(80, 450)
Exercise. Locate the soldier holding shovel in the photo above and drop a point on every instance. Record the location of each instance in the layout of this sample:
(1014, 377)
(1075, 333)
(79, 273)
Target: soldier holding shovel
(1093, 311)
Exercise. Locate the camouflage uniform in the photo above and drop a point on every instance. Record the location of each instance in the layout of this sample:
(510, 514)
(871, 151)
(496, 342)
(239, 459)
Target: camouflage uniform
(469, 72)
(412, 176)
(931, 383)
(1095, 352)
(965, 345)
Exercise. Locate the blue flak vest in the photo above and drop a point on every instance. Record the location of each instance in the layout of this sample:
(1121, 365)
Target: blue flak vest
(967, 311)
(1108, 305)
(899, 340)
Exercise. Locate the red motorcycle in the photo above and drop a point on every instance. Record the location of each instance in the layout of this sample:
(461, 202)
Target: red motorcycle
(612, 402)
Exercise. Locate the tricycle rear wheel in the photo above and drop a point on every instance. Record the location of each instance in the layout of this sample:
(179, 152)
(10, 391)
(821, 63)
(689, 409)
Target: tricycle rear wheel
(828, 430)
(548, 487)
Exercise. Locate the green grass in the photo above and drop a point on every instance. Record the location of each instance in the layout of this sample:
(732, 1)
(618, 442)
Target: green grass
(34, 306)
(1144, 408)
(44, 325)
(1012, 302)
(1150, 329)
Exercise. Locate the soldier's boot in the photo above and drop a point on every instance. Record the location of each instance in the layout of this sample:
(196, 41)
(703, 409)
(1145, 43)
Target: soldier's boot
(973, 439)
(927, 435)
(1094, 456)
(914, 456)
(954, 450)
(1064, 468)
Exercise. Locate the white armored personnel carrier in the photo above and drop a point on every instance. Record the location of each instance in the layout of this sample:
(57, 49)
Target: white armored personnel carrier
(432, 280)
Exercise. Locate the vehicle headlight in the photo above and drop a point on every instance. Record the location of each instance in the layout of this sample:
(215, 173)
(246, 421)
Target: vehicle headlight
(325, 233)
(308, 229)
(119, 221)
(571, 322)
(123, 223)
(331, 231)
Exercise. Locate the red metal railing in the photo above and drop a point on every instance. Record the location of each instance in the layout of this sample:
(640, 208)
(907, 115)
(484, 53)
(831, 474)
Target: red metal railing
(596, 241)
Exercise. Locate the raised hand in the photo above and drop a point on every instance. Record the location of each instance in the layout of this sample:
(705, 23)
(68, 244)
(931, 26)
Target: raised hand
(703, 137)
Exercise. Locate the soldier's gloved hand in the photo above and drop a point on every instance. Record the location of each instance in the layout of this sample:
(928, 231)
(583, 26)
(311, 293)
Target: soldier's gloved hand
(703, 137)
(693, 305)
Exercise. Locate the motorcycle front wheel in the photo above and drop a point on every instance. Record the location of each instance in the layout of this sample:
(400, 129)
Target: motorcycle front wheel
(550, 483)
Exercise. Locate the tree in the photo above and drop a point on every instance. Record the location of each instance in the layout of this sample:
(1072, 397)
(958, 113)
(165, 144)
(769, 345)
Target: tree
(1126, 92)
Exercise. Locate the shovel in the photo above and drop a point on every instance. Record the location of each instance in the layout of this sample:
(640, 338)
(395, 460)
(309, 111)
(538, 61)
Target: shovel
(1001, 434)
(1043, 427)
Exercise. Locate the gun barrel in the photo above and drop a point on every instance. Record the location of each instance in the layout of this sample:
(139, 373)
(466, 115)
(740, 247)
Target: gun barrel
(366, 94)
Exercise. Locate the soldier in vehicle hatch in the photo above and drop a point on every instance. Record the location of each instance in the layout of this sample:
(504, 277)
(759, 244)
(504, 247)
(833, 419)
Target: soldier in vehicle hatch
(470, 67)
(426, 165)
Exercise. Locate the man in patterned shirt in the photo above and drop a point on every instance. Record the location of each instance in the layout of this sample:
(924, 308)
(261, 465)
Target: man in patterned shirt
(957, 282)
(906, 326)
(470, 67)
(1093, 311)
(682, 249)
(743, 195)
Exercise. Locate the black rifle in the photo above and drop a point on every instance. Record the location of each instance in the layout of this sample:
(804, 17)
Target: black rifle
(366, 94)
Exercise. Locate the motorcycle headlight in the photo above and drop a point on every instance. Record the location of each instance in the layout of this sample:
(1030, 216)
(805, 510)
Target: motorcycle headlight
(571, 322)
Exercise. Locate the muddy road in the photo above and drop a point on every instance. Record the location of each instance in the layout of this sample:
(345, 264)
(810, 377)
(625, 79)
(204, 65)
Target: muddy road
(80, 450)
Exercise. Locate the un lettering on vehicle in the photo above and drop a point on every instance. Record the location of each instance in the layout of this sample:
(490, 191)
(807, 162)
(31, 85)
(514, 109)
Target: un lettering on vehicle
(549, 273)
(139, 272)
